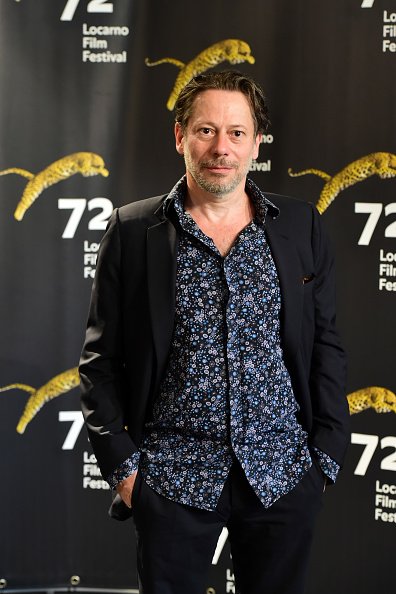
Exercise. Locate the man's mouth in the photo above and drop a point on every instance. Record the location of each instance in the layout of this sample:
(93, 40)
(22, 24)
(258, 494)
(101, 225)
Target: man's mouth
(220, 168)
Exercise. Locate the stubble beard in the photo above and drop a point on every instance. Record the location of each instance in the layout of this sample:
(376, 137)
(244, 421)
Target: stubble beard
(216, 187)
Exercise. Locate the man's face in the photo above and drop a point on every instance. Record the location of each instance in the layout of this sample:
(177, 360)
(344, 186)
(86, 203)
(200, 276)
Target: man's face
(219, 143)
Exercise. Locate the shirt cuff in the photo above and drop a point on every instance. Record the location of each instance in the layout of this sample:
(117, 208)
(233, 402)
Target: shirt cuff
(128, 467)
(327, 464)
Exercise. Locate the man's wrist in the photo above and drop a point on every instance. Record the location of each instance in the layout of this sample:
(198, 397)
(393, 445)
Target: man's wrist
(124, 470)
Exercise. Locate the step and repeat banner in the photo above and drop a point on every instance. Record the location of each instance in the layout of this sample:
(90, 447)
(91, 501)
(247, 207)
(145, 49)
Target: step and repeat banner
(86, 110)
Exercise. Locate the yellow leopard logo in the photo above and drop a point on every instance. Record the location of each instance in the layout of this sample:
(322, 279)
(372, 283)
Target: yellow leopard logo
(381, 164)
(60, 384)
(234, 51)
(381, 400)
(87, 164)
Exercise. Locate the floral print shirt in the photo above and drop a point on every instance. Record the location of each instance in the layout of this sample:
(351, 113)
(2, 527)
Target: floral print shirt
(226, 393)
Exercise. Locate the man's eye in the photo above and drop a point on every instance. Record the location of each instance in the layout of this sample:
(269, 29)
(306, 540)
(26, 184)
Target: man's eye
(205, 130)
(238, 133)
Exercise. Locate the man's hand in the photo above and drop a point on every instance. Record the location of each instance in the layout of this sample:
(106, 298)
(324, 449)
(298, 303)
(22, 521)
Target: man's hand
(125, 488)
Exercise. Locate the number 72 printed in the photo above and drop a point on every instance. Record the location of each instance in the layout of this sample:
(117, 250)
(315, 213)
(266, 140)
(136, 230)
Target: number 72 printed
(94, 6)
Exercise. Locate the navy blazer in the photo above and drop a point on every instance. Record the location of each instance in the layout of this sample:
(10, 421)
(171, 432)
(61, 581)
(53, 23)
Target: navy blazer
(131, 316)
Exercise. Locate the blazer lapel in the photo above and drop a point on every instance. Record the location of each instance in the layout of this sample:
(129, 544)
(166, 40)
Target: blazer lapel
(289, 271)
(161, 273)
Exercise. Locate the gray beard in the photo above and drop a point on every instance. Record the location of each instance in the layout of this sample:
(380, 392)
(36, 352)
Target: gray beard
(215, 187)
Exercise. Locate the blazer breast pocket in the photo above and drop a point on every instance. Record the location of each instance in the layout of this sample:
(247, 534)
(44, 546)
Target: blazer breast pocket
(307, 279)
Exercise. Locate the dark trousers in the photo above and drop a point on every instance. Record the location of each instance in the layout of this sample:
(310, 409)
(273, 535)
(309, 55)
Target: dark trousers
(270, 547)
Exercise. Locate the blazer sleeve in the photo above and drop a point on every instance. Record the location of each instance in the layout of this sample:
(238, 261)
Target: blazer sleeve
(331, 420)
(102, 360)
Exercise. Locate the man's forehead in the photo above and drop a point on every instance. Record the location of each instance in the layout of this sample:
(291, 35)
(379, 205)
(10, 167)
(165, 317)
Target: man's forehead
(218, 97)
(212, 99)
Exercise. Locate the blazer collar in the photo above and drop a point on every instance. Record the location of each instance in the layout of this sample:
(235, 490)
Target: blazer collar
(161, 280)
(288, 266)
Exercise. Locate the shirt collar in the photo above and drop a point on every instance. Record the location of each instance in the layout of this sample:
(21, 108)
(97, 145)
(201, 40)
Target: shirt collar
(262, 204)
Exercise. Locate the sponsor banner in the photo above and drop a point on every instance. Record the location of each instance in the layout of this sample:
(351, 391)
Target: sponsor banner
(86, 115)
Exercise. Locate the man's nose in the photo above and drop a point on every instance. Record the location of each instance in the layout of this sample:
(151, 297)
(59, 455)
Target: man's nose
(220, 144)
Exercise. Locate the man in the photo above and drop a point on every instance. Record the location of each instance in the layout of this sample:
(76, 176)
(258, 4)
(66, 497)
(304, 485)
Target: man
(212, 375)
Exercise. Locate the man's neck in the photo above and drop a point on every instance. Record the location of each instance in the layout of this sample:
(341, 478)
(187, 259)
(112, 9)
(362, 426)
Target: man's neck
(218, 209)
(221, 218)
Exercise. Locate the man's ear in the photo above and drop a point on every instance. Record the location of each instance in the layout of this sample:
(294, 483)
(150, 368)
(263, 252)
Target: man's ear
(179, 137)
(257, 143)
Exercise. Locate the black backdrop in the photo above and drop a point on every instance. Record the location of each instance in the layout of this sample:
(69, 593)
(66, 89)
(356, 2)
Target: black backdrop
(73, 80)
